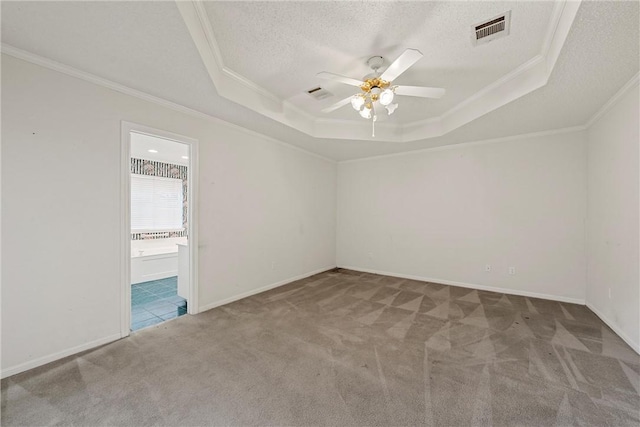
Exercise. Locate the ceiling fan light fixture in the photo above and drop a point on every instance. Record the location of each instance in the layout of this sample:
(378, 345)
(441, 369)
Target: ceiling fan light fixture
(391, 108)
(357, 101)
(366, 112)
(378, 89)
(386, 97)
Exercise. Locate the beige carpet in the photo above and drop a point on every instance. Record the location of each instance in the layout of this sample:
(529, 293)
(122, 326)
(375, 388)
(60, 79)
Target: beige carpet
(347, 349)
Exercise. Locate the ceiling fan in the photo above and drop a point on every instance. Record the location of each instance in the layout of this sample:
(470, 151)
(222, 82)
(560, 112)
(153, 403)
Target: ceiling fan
(379, 88)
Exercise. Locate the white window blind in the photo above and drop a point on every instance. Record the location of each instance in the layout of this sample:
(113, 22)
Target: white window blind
(156, 203)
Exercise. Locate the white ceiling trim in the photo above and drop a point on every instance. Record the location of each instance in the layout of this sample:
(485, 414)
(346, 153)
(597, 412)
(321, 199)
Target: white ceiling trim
(231, 85)
(91, 78)
(99, 81)
(631, 84)
(530, 70)
(530, 76)
(540, 134)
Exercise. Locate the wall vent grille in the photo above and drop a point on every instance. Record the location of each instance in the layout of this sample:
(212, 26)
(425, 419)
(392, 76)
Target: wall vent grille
(491, 29)
(319, 93)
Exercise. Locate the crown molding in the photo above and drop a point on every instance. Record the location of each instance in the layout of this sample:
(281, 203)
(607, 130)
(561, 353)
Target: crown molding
(526, 78)
(99, 81)
(511, 138)
(74, 72)
(231, 85)
(631, 84)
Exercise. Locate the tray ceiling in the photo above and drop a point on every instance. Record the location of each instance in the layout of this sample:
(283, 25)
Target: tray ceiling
(149, 48)
(281, 46)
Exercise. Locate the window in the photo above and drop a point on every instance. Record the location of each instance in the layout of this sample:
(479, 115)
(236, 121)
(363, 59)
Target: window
(156, 203)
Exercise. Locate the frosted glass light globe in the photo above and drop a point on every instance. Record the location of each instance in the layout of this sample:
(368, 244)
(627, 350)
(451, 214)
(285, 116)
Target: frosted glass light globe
(366, 112)
(391, 108)
(386, 97)
(357, 101)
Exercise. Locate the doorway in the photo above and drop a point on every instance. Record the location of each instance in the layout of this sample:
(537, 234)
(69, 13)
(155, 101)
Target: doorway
(159, 240)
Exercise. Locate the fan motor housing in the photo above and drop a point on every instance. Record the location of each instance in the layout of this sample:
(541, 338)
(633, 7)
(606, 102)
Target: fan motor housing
(372, 83)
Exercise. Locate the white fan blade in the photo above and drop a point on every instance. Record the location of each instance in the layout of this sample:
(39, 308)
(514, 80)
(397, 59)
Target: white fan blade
(421, 91)
(400, 65)
(338, 78)
(337, 105)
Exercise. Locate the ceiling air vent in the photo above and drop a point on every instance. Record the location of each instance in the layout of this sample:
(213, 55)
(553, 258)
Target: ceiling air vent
(491, 29)
(319, 93)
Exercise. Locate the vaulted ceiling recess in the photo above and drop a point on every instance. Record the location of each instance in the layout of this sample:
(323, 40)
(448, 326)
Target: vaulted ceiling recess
(254, 63)
(247, 66)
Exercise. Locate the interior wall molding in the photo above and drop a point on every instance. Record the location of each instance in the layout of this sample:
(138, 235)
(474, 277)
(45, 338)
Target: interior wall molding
(263, 289)
(470, 285)
(553, 39)
(634, 345)
(99, 81)
(74, 72)
(630, 85)
(540, 134)
(615, 328)
(526, 78)
(56, 356)
(231, 85)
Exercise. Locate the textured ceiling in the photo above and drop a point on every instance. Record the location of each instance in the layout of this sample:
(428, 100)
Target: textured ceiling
(146, 46)
(282, 45)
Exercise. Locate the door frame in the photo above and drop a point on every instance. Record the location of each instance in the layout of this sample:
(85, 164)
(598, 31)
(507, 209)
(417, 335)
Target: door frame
(125, 216)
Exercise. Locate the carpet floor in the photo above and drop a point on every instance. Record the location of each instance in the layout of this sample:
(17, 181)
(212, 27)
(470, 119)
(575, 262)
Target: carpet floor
(344, 348)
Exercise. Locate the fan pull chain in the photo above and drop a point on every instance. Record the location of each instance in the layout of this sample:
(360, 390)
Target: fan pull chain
(373, 126)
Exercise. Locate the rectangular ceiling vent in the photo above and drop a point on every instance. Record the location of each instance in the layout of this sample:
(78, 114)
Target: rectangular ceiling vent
(491, 29)
(319, 93)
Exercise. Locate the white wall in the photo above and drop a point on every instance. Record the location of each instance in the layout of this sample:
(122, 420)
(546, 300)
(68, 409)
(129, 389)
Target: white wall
(267, 211)
(444, 214)
(613, 256)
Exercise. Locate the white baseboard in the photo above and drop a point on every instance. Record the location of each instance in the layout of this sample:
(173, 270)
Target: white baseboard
(470, 285)
(262, 289)
(68, 352)
(615, 328)
(57, 356)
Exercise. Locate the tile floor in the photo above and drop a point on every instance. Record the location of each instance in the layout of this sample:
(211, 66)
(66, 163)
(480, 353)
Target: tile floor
(154, 302)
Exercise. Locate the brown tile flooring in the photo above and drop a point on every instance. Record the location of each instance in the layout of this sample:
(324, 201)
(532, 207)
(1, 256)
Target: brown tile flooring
(348, 348)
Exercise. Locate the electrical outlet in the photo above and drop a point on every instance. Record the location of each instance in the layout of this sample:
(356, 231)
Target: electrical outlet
(487, 267)
(512, 271)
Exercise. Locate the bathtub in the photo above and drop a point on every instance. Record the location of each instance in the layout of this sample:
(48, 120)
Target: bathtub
(141, 253)
(154, 259)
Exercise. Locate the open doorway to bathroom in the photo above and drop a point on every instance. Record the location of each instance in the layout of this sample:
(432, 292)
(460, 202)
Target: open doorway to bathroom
(159, 219)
